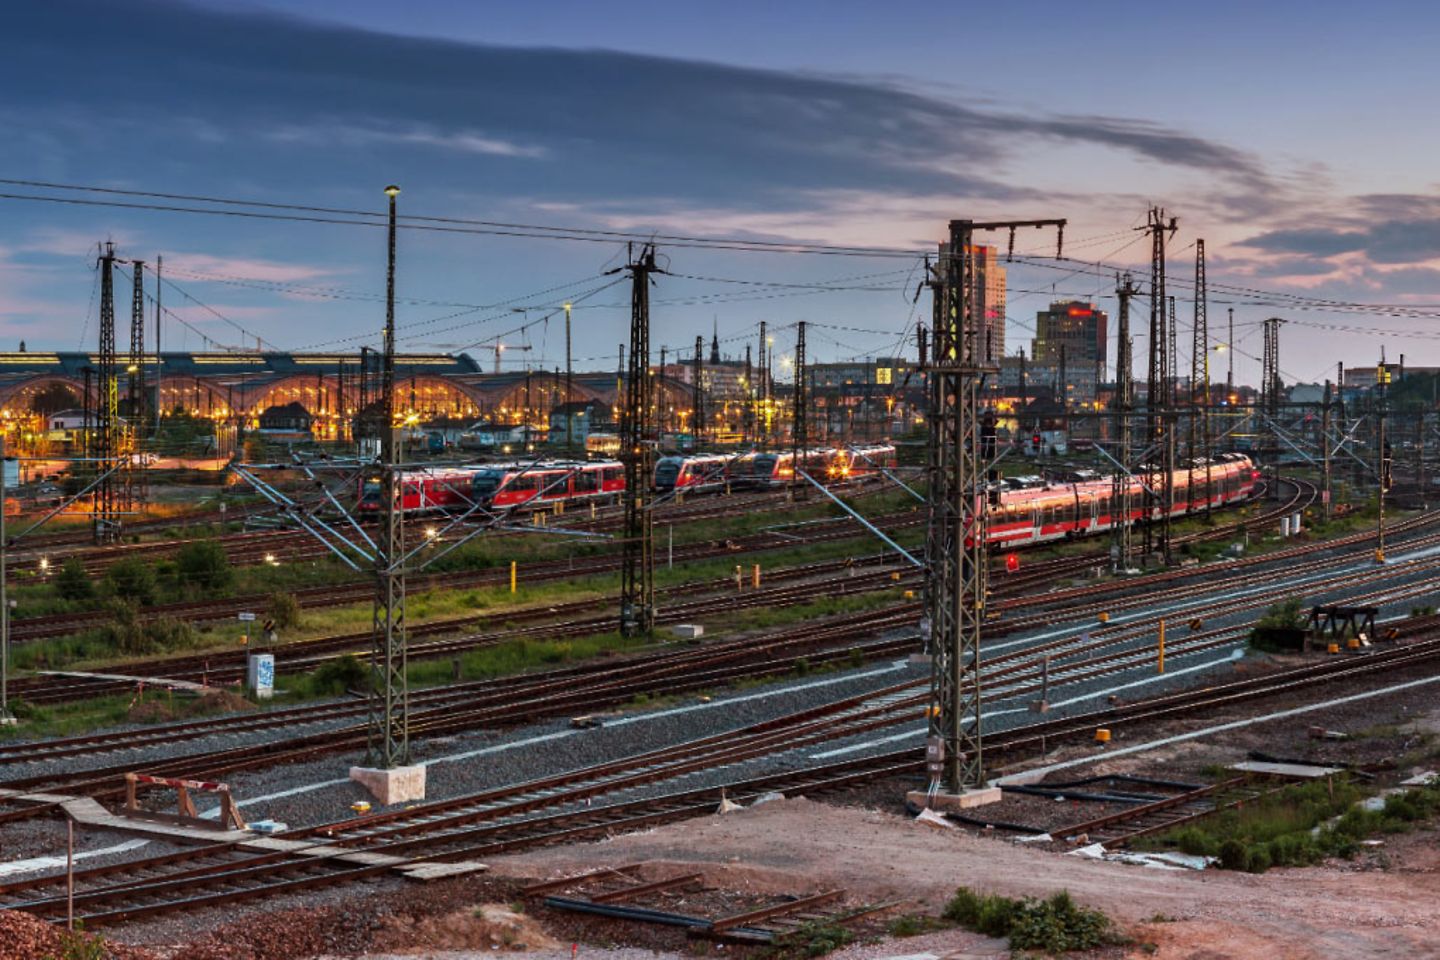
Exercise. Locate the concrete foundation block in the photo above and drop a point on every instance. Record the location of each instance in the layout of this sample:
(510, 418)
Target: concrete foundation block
(397, 785)
(954, 802)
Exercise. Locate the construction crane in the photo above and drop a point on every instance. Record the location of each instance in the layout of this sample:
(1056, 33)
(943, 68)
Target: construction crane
(500, 348)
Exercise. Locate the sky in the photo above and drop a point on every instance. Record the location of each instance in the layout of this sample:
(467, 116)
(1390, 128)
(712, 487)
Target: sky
(1293, 138)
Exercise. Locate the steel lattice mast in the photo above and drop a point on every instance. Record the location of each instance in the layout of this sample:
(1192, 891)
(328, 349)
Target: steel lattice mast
(1121, 506)
(1157, 390)
(134, 478)
(389, 735)
(799, 426)
(956, 550)
(105, 448)
(637, 450)
(1200, 372)
(697, 395)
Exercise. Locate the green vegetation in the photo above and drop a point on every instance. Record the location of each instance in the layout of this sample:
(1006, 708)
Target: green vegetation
(72, 582)
(913, 924)
(1281, 628)
(78, 945)
(1298, 826)
(283, 610)
(127, 633)
(201, 569)
(814, 938)
(1055, 925)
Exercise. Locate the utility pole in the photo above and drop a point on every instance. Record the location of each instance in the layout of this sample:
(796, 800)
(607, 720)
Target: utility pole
(798, 425)
(1326, 496)
(1382, 451)
(956, 553)
(637, 444)
(748, 415)
(764, 392)
(1230, 351)
(1270, 389)
(159, 371)
(135, 388)
(1157, 419)
(1200, 376)
(1122, 532)
(389, 732)
(104, 518)
(569, 392)
(697, 396)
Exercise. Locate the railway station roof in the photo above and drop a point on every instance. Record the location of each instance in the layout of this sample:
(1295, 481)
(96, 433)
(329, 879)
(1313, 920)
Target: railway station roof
(73, 364)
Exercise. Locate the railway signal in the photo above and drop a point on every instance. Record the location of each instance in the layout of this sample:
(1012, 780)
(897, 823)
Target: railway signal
(1012, 562)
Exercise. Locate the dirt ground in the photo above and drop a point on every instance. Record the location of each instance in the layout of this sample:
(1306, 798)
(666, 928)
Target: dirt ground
(1291, 914)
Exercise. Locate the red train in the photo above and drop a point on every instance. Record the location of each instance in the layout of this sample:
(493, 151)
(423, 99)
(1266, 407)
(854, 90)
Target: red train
(1065, 510)
(423, 490)
(507, 486)
(826, 465)
(702, 472)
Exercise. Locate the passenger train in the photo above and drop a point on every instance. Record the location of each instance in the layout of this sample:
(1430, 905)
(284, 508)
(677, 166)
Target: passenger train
(1021, 510)
(1028, 513)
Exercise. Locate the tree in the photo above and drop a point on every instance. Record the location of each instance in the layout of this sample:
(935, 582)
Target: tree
(133, 580)
(73, 581)
(202, 567)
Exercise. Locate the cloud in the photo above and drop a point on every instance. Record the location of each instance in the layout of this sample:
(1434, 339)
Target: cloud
(1384, 231)
(345, 105)
(250, 268)
(463, 141)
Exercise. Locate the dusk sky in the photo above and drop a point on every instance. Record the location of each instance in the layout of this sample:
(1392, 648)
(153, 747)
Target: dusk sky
(1296, 139)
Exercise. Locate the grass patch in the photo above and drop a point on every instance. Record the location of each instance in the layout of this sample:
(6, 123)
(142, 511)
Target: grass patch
(1055, 925)
(814, 938)
(1298, 826)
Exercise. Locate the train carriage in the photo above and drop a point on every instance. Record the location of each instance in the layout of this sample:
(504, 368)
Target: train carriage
(510, 486)
(1059, 511)
(422, 490)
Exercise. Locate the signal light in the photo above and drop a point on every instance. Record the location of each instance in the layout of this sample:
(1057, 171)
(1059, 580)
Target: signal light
(1012, 562)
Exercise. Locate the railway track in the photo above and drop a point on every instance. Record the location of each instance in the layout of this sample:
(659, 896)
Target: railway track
(564, 808)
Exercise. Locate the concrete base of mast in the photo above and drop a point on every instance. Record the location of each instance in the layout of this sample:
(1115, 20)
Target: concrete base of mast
(954, 802)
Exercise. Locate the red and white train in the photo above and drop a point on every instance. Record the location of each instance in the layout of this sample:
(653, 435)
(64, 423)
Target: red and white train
(833, 465)
(1058, 511)
(498, 486)
(507, 486)
(422, 490)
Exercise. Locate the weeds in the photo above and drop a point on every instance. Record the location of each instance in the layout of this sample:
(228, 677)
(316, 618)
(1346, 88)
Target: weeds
(1055, 925)
(1299, 826)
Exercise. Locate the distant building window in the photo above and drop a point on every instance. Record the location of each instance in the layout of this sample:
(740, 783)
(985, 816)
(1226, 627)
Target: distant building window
(883, 375)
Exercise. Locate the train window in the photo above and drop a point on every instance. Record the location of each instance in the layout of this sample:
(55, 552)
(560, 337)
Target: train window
(587, 481)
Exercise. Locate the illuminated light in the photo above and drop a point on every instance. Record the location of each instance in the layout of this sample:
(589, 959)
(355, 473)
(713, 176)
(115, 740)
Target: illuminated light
(44, 564)
(270, 559)
(392, 191)
(431, 533)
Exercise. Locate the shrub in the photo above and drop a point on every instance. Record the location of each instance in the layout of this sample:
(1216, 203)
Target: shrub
(336, 676)
(203, 567)
(1057, 925)
(73, 581)
(1054, 925)
(814, 939)
(284, 611)
(131, 580)
(1233, 855)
